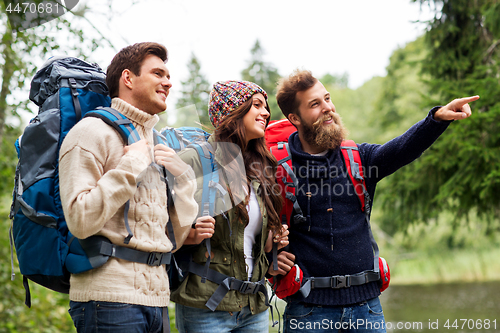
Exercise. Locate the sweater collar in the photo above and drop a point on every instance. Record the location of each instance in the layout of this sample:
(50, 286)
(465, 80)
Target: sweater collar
(134, 114)
(299, 154)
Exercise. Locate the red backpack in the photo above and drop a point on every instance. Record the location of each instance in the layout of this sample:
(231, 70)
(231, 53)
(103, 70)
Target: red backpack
(277, 134)
(278, 131)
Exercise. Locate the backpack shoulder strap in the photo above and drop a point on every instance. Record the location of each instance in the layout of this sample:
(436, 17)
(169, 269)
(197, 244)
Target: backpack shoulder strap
(288, 181)
(118, 121)
(352, 161)
(181, 141)
(210, 176)
(209, 191)
(159, 138)
(128, 133)
(168, 179)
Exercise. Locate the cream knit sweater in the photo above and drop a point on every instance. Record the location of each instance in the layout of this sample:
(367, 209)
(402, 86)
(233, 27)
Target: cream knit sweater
(96, 180)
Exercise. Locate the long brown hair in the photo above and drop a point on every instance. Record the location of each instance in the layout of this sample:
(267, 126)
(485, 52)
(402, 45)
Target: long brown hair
(260, 164)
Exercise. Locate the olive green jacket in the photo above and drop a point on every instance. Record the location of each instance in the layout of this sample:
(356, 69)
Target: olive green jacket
(227, 254)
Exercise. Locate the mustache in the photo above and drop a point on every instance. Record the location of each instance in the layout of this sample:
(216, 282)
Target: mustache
(325, 117)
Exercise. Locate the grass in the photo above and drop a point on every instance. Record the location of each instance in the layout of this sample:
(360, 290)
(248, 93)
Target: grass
(447, 267)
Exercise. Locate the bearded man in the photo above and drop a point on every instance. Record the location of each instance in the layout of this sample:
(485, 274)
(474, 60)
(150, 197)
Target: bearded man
(335, 242)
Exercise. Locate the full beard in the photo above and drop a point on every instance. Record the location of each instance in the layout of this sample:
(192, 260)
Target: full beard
(325, 137)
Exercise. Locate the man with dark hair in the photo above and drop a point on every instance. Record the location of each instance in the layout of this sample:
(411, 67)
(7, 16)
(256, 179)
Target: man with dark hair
(131, 58)
(102, 178)
(334, 243)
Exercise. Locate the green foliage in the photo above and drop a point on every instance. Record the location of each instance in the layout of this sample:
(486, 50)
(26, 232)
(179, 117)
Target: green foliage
(265, 75)
(458, 265)
(399, 105)
(21, 53)
(48, 312)
(356, 107)
(401, 101)
(192, 107)
(439, 251)
(8, 160)
(460, 172)
(18, 65)
(338, 81)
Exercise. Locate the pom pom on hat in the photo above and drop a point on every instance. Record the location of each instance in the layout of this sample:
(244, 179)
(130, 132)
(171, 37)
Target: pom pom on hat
(227, 96)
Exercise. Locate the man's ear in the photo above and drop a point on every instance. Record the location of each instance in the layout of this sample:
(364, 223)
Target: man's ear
(294, 119)
(127, 78)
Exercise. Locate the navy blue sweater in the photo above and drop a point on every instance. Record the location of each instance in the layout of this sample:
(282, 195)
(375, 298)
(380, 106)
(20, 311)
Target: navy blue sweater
(337, 242)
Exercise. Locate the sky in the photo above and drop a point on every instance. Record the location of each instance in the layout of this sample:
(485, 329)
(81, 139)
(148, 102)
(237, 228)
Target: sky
(356, 37)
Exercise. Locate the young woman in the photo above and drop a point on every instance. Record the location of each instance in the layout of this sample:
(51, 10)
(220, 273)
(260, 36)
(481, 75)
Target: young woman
(240, 234)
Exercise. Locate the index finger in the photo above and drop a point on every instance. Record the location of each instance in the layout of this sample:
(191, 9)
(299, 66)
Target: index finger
(287, 260)
(289, 255)
(206, 218)
(464, 100)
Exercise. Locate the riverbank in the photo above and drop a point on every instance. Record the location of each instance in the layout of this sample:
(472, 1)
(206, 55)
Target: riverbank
(446, 267)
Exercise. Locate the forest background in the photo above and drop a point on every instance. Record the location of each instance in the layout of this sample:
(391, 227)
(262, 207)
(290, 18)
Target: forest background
(436, 220)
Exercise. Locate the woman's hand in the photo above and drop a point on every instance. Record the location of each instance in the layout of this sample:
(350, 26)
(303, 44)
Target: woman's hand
(204, 228)
(280, 238)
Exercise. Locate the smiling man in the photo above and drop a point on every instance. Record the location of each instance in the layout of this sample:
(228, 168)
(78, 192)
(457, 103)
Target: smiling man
(334, 243)
(102, 178)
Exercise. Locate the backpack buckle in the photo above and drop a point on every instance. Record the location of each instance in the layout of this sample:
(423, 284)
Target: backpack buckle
(299, 219)
(340, 281)
(247, 287)
(154, 259)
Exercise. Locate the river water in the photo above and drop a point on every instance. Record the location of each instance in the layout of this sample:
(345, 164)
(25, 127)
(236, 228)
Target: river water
(454, 307)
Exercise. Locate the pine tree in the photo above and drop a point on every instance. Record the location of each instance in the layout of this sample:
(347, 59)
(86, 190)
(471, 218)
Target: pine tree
(461, 171)
(265, 75)
(192, 106)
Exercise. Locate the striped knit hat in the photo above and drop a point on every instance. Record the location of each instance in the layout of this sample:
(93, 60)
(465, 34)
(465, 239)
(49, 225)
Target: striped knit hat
(227, 96)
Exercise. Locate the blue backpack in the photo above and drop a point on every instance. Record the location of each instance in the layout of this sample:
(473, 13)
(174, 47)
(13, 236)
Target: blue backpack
(65, 89)
(182, 263)
(193, 137)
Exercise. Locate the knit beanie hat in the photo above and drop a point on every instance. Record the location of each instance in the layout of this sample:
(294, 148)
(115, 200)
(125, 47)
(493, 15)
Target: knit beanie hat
(227, 96)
